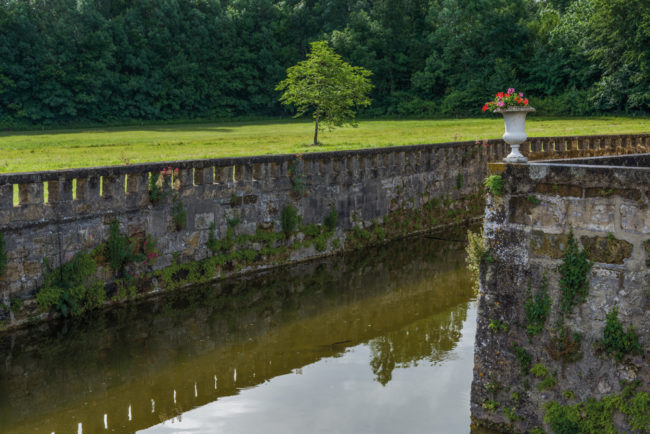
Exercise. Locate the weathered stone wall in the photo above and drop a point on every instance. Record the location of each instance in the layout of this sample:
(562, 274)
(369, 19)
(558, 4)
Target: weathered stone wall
(526, 231)
(365, 187)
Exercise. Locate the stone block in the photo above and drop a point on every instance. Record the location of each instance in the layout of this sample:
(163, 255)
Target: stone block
(551, 245)
(625, 193)
(203, 221)
(608, 250)
(561, 190)
(635, 219)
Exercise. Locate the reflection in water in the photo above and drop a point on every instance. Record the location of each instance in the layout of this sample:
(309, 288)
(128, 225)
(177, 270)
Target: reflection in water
(429, 339)
(136, 366)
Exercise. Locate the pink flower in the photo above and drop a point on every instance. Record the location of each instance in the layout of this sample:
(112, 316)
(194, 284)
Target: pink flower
(500, 103)
(521, 94)
(511, 91)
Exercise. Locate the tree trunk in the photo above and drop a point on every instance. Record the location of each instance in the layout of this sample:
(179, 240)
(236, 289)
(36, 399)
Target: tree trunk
(316, 132)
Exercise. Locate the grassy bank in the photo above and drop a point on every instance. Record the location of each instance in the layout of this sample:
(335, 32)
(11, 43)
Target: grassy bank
(33, 150)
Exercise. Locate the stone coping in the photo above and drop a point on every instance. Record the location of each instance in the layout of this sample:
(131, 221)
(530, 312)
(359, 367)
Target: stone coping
(628, 160)
(41, 176)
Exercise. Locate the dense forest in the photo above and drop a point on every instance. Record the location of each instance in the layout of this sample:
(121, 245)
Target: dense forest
(65, 62)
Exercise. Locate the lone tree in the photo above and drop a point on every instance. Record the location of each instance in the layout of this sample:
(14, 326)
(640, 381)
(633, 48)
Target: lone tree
(324, 83)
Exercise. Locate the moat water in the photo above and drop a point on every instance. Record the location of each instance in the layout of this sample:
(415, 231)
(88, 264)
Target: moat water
(377, 341)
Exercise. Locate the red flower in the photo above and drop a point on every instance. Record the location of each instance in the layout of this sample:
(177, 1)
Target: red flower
(485, 107)
(525, 101)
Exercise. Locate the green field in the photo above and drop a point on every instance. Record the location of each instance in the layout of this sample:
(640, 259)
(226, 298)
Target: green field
(59, 149)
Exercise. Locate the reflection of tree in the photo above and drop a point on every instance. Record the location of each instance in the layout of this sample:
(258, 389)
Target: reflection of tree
(383, 359)
(429, 339)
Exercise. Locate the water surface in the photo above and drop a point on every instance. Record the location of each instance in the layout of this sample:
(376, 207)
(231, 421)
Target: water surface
(378, 341)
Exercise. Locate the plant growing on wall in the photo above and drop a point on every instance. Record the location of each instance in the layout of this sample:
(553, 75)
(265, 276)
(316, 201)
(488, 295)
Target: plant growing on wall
(616, 341)
(120, 251)
(71, 288)
(537, 308)
(574, 283)
(289, 219)
(494, 184)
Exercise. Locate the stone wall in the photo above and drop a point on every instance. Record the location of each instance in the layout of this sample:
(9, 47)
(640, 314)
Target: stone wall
(53, 215)
(527, 230)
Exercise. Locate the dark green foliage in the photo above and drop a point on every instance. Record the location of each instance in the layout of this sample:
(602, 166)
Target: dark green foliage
(496, 325)
(594, 416)
(459, 181)
(67, 62)
(616, 341)
(120, 251)
(331, 220)
(3, 254)
(574, 283)
(179, 214)
(289, 219)
(523, 358)
(537, 308)
(15, 304)
(494, 184)
(72, 288)
(533, 199)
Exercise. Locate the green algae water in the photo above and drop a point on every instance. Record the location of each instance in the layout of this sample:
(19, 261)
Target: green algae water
(375, 341)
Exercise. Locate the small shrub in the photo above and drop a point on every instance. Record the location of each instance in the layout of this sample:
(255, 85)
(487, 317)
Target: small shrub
(616, 341)
(496, 325)
(494, 184)
(537, 308)
(310, 230)
(71, 288)
(331, 220)
(565, 345)
(533, 199)
(179, 214)
(510, 414)
(15, 304)
(459, 181)
(120, 251)
(548, 380)
(523, 358)
(289, 219)
(490, 405)
(574, 283)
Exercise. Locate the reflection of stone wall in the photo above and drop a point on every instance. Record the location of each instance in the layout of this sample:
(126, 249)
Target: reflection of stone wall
(527, 230)
(261, 327)
(363, 186)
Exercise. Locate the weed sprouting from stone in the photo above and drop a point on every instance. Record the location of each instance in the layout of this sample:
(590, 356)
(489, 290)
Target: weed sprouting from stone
(523, 358)
(494, 184)
(616, 341)
(289, 219)
(537, 308)
(574, 283)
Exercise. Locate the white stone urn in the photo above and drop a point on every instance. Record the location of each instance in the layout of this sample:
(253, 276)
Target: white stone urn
(515, 135)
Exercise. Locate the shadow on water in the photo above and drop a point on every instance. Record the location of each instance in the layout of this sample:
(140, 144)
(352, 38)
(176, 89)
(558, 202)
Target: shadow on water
(141, 364)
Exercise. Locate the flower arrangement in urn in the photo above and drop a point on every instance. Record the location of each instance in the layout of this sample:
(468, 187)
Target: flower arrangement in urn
(514, 108)
(506, 100)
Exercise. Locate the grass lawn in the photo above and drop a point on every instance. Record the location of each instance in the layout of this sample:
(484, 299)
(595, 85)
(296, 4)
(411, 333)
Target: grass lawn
(59, 149)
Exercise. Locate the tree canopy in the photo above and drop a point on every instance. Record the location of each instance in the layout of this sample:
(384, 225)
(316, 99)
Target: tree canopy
(66, 62)
(323, 83)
